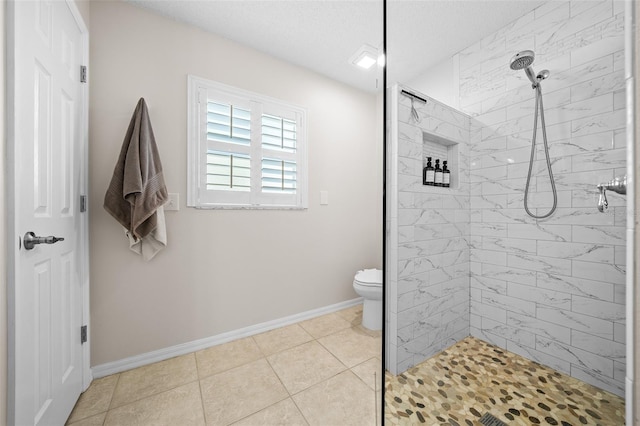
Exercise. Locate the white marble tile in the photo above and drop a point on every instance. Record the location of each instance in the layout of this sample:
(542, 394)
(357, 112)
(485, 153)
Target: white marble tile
(539, 200)
(451, 201)
(618, 60)
(488, 201)
(515, 245)
(577, 251)
(619, 332)
(486, 146)
(489, 256)
(599, 346)
(597, 49)
(589, 199)
(539, 327)
(598, 308)
(576, 286)
(541, 357)
(620, 255)
(578, 110)
(489, 229)
(599, 123)
(599, 160)
(527, 107)
(582, 144)
(447, 130)
(509, 274)
(447, 230)
(579, 6)
(541, 296)
(539, 263)
(427, 325)
(600, 85)
(598, 234)
(577, 321)
(575, 356)
(508, 215)
(580, 20)
(491, 118)
(619, 99)
(598, 380)
(409, 166)
(456, 257)
(514, 334)
(566, 75)
(489, 174)
(584, 180)
(488, 284)
(409, 149)
(488, 311)
(539, 231)
(508, 186)
(404, 335)
(510, 304)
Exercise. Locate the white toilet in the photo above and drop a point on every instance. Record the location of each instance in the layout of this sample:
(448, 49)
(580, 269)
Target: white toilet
(368, 284)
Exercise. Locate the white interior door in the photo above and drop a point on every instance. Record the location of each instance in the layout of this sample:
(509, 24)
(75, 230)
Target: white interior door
(46, 145)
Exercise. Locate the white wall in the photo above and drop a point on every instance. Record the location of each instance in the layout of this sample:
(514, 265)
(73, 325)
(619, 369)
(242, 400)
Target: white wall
(222, 270)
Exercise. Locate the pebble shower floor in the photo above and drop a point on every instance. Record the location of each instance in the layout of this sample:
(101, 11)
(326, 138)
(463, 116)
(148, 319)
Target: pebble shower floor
(471, 378)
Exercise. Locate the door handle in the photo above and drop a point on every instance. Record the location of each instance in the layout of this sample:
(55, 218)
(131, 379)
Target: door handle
(30, 240)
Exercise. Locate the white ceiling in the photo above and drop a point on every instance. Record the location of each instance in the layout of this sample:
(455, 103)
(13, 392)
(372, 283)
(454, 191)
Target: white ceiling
(323, 34)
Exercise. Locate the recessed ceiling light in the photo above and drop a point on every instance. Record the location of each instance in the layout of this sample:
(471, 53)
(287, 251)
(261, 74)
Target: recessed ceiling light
(365, 57)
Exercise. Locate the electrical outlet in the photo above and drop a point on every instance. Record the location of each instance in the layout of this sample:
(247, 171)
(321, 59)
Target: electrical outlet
(173, 204)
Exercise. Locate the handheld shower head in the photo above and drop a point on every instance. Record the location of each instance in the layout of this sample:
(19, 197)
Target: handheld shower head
(523, 60)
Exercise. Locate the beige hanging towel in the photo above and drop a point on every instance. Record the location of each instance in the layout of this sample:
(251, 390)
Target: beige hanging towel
(137, 189)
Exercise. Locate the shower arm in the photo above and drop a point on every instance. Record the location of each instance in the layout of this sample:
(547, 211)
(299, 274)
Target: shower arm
(618, 185)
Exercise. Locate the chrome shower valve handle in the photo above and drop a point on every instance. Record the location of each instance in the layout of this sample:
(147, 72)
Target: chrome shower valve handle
(617, 185)
(603, 204)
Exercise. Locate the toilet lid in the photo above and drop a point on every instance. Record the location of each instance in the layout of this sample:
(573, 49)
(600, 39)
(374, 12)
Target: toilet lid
(369, 277)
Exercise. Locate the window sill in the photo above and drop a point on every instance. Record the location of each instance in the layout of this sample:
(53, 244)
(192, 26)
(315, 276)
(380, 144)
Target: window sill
(246, 207)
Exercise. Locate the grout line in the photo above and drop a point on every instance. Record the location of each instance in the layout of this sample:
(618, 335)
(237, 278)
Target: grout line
(114, 392)
(204, 412)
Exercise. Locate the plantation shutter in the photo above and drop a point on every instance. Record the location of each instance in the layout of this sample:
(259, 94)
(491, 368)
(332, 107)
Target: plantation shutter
(249, 149)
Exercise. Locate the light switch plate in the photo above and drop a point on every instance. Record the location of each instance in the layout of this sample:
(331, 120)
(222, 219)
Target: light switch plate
(173, 204)
(324, 198)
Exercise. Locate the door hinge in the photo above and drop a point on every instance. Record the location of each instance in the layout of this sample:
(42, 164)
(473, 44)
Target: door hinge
(83, 334)
(83, 203)
(83, 74)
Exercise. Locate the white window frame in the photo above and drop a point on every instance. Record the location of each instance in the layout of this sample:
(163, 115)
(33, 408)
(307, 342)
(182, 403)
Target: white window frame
(199, 91)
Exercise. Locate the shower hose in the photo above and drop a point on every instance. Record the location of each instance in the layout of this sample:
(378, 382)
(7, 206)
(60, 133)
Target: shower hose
(546, 152)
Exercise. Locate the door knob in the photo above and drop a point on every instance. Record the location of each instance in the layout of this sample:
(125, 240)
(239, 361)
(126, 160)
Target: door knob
(30, 240)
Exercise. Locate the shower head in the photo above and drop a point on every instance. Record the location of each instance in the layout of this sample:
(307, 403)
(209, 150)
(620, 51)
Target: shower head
(522, 61)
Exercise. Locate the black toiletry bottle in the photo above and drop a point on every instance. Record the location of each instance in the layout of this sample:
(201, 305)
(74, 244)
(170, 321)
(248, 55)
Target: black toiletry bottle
(446, 175)
(428, 174)
(438, 174)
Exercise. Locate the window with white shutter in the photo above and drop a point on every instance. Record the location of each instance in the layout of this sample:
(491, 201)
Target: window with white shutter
(245, 150)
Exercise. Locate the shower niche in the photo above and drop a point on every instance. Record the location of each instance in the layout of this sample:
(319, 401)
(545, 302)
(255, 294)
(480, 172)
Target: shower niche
(443, 149)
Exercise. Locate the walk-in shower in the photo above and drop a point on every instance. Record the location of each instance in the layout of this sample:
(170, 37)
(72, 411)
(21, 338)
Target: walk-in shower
(523, 60)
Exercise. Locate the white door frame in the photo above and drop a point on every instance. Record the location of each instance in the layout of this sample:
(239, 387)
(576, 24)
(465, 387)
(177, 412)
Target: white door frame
(632, 74)
(12, 232)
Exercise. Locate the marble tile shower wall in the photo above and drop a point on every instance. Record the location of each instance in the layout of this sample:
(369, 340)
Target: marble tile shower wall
(551, 290)
(432, 258)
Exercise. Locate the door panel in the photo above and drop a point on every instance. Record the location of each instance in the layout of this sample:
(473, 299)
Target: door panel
(46, 358)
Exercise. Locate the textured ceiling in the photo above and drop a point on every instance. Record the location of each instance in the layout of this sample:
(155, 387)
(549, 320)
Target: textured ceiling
(323, 34)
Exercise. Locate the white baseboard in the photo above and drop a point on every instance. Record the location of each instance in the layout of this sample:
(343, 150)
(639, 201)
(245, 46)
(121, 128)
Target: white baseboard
(125, 364)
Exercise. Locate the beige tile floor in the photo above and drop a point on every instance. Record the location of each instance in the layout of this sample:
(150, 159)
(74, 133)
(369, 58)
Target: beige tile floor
(317, 372)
